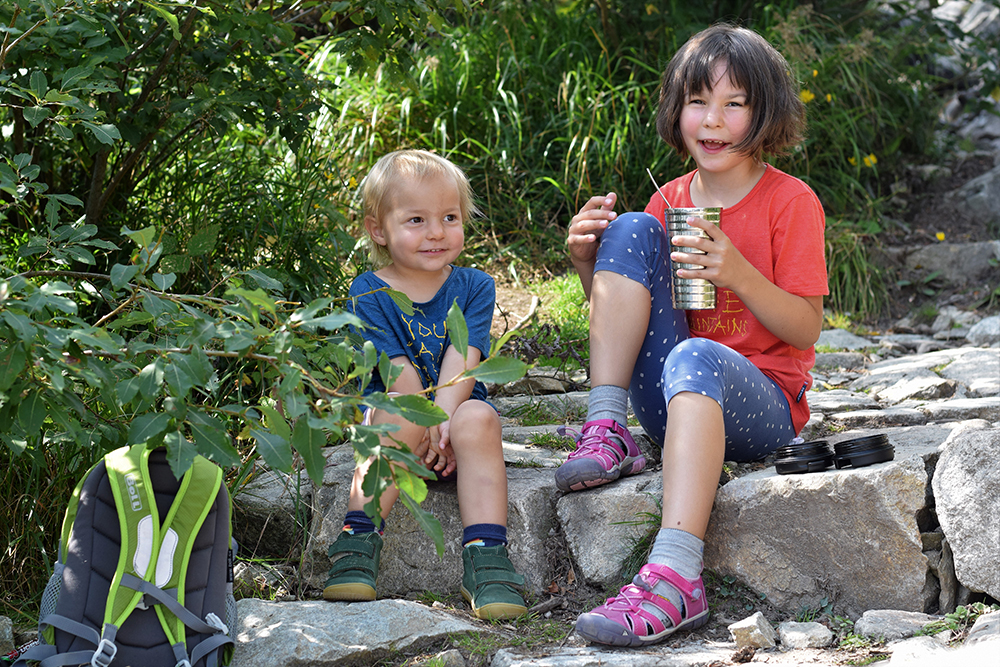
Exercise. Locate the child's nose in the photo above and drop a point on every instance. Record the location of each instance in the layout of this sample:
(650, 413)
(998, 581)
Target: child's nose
(435, 229)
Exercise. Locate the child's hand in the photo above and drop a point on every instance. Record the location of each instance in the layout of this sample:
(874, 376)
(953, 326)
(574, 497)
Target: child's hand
(724, 265)
(439, 456)
(587, 226)
(444, 444)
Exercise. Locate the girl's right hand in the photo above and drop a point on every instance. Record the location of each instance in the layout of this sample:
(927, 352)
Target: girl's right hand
(586, 227)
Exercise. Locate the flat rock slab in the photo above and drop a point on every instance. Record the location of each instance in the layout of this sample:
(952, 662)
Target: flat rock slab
(279, 634)
(700, 654)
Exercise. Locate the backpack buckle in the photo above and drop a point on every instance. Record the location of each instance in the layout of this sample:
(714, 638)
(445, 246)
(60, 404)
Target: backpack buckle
(215, 622)
(104, 654)
(184, 663)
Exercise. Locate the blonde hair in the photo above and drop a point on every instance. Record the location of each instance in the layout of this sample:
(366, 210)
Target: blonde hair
(380, 184)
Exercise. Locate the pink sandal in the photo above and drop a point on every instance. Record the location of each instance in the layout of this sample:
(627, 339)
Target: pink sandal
(598, 459)
(624, 621)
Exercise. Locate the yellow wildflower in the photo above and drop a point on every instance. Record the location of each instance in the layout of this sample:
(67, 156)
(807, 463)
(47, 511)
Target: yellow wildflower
(352, 182)
(853, 161)
(806, 96)
(815, 73)
(829, 97)
(940, 236)
(651, 9)
(870, 160)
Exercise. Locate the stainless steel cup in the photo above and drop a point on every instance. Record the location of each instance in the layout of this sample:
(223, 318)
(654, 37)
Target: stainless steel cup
(690, 293)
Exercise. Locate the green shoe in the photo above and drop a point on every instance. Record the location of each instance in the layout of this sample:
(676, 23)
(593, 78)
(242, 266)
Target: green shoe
(488, 583)
(353, 574)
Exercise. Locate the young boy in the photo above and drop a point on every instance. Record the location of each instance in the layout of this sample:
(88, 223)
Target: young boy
(415, 204)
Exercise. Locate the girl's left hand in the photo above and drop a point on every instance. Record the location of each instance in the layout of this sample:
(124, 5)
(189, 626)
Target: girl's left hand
(442, 448)
(725, 266)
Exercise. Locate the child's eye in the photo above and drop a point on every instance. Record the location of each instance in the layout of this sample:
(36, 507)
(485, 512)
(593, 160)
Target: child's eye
(451, 218)
(416, 220)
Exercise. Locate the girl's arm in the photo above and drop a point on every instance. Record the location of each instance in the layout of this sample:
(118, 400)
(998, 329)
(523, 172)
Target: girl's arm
(797, 320)
(585, 230)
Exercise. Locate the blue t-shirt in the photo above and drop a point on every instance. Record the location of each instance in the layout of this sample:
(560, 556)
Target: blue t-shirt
(423, 338)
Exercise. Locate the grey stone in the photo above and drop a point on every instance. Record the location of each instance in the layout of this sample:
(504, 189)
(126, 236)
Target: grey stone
(987, 407)
(272, 634)
(986, 628)
(918, 651)
(959, 263)
(967, 495)
(693, 654)
(804, 635)
(889, 417)
(270, 513)
(986, 332)
(839, 339)
(409, 562)
(600, 524)
(753, 631)
(570, 406)
(978, 372)
(978, 199)
(839, 400)
(927, 386)
(891, 624)
(840, 360)
(849, 535)
(6, 635)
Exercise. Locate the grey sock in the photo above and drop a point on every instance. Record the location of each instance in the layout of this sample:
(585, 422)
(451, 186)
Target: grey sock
(607, 401)
(682, 552)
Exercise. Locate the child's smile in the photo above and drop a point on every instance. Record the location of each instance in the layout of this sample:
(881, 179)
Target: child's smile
(423, 229)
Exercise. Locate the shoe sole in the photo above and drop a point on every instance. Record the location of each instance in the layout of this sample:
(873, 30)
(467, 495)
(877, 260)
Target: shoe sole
(349, 593)
(586, 477)
(601, 630)
(495, 611)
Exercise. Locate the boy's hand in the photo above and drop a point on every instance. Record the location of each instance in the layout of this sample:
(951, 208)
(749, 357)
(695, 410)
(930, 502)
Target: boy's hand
(438, 455)
(586, 227)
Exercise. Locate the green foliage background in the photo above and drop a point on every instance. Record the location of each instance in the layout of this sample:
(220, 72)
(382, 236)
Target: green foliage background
(178, 186)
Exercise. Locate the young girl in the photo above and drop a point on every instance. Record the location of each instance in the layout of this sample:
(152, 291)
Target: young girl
(713, 385)
(415, 204)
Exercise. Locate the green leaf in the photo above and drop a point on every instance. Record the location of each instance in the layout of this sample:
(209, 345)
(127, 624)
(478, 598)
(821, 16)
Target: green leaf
(39, 84)
(31, 412)
(23, 326)
(498, 370)
(74, 74)
(403, 302)
(178, 380)
(121, 274)
(105, 133)
(170, 19)
(143, 238)
(151, 380)
(180, 452)
(203, 241)
(163, 281)
(12, 361)
(458, 332)
(147, 427)
(414, 408)
(127, 389)
(265, 281)
(275, 422)
(35, 115)
(274, 449)
(257, 297)
(308, 442)
(212, 439)
(427, 521)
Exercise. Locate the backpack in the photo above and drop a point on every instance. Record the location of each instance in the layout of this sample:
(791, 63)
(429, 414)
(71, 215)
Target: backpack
(136, 587)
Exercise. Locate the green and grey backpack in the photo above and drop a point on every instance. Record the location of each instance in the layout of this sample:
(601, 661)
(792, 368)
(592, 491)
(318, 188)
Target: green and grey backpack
(144, 574)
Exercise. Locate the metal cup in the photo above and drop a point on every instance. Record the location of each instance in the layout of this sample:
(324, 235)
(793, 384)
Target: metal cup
(690, 293)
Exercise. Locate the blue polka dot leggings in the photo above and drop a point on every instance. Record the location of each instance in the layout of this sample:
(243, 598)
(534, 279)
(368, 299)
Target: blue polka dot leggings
(756, 413)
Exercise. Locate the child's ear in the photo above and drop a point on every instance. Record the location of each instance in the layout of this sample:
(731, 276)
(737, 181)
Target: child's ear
(374, 230)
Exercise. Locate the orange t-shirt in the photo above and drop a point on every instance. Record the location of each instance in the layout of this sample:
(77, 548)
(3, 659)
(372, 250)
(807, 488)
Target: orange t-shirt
(778, 227)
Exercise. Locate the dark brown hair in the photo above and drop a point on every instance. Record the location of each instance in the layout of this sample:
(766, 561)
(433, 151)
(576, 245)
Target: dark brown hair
(777, 115)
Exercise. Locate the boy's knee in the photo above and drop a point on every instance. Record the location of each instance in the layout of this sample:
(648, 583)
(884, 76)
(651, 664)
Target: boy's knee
(475, 413)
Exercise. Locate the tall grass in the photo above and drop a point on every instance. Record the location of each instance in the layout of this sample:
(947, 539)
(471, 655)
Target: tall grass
(545, 105)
